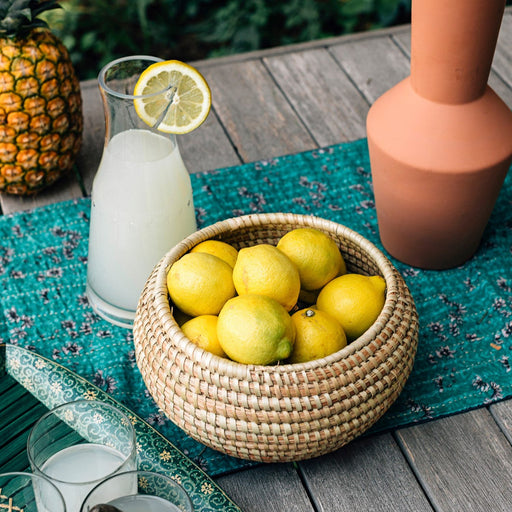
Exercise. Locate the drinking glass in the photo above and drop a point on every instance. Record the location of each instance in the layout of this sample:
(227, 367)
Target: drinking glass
(153, 492)
(141, 203)
(78, 444)
(25, 492)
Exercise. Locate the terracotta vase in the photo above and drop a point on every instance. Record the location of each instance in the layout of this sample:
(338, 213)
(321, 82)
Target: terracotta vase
(440, 141)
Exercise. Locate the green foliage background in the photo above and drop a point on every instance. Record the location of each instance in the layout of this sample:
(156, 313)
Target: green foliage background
(97, 31)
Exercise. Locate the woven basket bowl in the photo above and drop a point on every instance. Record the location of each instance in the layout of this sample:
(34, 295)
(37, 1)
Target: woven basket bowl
(285, 412)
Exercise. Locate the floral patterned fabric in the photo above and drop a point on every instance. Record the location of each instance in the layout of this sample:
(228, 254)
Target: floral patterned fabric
(463, 358)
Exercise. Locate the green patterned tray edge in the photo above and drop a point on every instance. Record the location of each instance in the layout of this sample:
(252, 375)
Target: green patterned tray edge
(53, 384)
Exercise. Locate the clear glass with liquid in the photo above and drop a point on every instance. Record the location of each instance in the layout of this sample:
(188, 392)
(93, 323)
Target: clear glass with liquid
(79, 444)
(77, 469)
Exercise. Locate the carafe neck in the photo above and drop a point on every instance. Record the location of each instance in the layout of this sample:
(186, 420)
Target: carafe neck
(452, 47)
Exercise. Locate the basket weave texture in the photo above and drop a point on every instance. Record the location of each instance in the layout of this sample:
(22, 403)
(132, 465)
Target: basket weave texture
(285, 412)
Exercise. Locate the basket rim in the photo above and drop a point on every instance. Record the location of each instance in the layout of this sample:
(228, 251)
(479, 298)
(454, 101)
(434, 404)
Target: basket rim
(234, 369)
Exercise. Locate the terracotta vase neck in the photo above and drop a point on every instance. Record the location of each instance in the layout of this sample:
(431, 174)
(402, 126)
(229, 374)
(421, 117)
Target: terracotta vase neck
(452, 47)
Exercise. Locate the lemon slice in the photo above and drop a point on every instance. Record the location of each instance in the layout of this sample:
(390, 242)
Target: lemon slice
(185, 104)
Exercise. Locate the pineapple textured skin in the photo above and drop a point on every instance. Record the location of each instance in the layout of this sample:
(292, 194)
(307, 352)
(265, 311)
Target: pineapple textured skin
(41, 118)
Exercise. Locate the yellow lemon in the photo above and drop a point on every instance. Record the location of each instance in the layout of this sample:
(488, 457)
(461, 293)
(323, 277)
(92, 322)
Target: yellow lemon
(255, 329)
(264, 270)
(318, 334)
(202, 331)
(220, 249)
(174, 97)
(315, 254)
(200, 284)
(354, 300)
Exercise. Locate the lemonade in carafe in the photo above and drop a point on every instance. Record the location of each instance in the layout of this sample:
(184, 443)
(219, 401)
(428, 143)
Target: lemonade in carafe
(142, 202)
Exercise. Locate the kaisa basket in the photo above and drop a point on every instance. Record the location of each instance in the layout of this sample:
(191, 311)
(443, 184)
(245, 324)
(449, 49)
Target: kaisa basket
(285, 412)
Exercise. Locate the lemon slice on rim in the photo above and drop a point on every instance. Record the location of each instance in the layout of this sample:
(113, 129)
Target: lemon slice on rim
(185, 104)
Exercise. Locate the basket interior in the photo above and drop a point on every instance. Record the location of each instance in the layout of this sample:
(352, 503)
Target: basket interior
(360, 256)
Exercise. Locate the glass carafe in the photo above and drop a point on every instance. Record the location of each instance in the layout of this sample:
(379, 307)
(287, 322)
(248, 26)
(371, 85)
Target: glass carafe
(141, 203)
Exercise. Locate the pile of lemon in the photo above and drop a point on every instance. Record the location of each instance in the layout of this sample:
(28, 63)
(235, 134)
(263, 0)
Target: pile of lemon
(246, 304)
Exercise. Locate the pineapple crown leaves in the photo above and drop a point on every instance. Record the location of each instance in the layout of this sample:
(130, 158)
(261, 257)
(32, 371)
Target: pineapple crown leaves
(18, 17)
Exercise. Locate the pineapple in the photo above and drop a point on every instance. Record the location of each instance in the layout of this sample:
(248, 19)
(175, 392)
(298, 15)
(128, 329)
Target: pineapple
(40, 104)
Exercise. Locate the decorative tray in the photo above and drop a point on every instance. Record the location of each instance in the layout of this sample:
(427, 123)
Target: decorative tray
(31, 384)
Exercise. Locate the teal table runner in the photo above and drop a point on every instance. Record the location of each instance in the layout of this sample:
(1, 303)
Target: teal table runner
(463, 358)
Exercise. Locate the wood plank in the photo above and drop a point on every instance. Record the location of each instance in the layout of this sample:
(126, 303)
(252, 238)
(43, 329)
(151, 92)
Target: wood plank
(208, 147)
(369, 474)
(254, 112)
(374, 64)
(271, 487)
(464, 462)
(502, 414)
(321, 94)
(502, 62)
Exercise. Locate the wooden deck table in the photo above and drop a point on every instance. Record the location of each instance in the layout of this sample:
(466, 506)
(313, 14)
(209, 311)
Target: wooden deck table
(291, 99)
